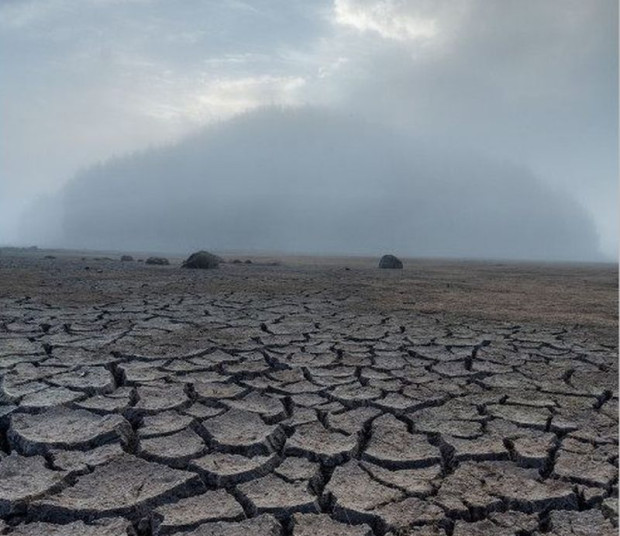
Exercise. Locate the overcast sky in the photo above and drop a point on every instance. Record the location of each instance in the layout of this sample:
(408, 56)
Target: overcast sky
(527, 82)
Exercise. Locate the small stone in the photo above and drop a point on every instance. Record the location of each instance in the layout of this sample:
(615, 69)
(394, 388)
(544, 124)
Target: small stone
(390, 262)
(202, 259)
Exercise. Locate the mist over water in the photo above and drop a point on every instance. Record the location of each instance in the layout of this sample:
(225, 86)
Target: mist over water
(313, 181)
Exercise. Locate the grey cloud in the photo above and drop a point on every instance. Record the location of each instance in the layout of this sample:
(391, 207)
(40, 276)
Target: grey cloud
(86, 80)
(519, 81)
(528, 81)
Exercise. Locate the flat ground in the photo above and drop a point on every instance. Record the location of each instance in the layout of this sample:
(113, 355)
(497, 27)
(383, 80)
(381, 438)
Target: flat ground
(313, 396)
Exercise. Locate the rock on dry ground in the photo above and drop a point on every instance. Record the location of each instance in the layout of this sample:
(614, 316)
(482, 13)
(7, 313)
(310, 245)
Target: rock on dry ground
(263, 400)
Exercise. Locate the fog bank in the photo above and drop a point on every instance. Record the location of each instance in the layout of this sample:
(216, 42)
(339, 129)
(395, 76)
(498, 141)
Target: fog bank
(311, 181)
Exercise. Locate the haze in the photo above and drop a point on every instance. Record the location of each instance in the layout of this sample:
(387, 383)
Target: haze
(441, 128)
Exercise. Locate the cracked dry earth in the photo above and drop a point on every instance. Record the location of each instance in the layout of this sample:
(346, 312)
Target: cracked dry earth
(196, 403)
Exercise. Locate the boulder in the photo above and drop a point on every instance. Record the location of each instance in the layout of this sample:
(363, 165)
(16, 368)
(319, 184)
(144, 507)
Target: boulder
(202, 259)
(391, 262)
(157, 260)
(126, 258)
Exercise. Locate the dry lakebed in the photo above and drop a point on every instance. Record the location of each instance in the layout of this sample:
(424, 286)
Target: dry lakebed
(306, 396)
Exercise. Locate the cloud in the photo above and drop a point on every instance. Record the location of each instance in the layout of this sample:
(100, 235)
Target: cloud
(519, 80)
(202, 100)
(388, 18)
(84, 81)
(524, 81)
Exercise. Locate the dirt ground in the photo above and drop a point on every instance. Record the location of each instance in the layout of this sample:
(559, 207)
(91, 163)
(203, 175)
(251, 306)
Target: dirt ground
(299, 396)
(560, 294)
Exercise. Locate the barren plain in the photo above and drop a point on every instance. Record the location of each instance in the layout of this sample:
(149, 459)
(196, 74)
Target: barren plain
(307, 397)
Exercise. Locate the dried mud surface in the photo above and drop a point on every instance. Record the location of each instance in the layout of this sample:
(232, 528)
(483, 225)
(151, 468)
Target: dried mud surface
(306, 399)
